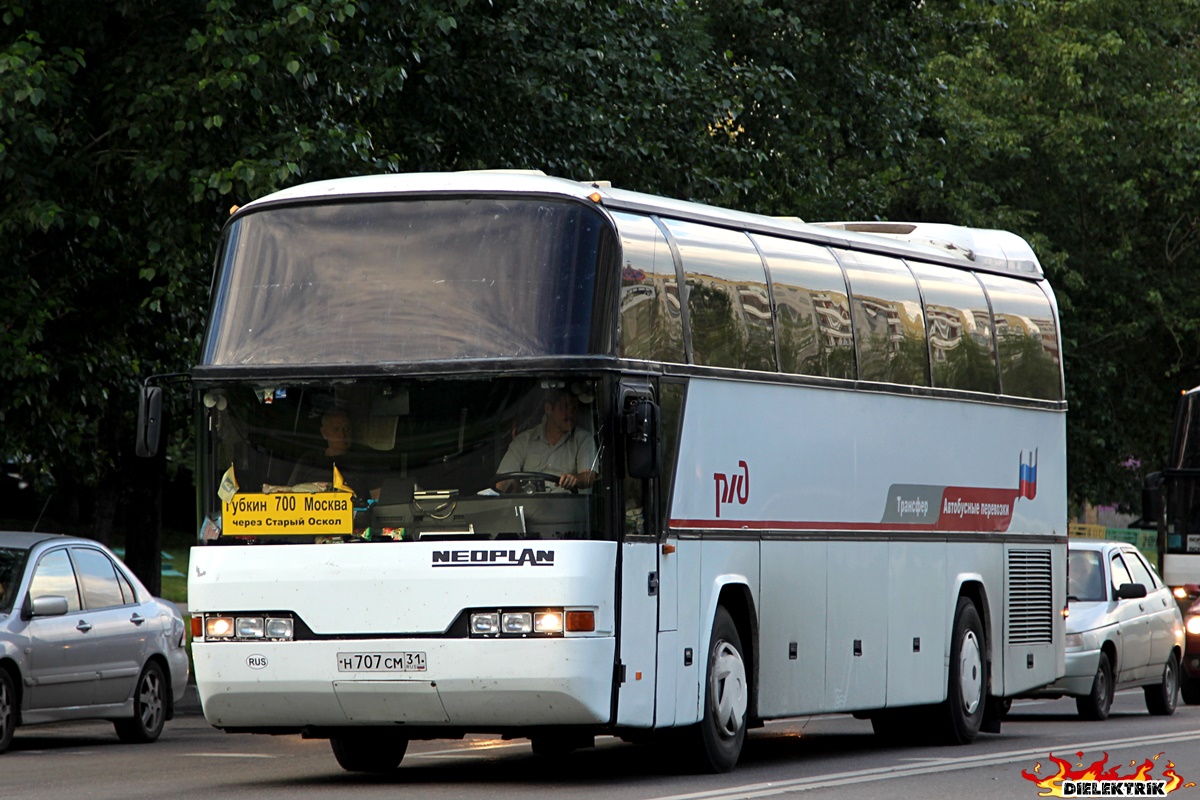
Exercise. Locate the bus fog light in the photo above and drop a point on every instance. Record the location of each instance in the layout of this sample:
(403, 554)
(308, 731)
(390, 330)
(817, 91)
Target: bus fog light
(280, 628)
(547, 622)
(485, 624)
(517, 622)
(218, 628)
(250, 627)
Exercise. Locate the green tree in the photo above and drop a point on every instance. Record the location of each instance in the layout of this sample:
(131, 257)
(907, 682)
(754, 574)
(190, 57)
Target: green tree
(1074, 124)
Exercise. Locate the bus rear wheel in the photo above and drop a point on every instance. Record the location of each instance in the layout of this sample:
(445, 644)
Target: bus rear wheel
(966, 696)
(717, 741)
(369, 751)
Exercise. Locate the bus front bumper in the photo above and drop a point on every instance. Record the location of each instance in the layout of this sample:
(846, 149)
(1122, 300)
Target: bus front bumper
(467, 683)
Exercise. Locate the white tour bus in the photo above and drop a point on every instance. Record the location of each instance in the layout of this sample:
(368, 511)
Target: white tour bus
(811, 469)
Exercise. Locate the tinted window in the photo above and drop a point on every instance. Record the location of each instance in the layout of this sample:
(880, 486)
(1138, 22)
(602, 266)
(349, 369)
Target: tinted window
(889, 328)
(403, 281)
(728, 302)
(812, 314)
(650, 323)
(1027, 338)
(54, 576)
(98, 578)
(961, 347)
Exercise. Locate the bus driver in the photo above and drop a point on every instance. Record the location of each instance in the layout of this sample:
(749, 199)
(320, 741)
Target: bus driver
(554, 446)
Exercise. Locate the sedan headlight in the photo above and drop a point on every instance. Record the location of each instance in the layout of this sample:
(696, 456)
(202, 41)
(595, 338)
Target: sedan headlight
(1074, 641)
(1193, 624)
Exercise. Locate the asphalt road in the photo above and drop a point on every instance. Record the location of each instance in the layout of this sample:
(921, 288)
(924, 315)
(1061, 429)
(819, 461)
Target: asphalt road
(815, 757)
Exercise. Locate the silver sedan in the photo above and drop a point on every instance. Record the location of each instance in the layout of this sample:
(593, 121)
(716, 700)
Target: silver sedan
(1124, 629)
(82, 638)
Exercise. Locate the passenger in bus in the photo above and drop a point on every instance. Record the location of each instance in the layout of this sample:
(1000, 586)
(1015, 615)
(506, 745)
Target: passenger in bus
(339, 450)
(556, 446)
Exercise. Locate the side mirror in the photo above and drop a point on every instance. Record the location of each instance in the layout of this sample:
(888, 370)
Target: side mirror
(1131, 591)
(643, 445)
(149, 423)
(48, 605)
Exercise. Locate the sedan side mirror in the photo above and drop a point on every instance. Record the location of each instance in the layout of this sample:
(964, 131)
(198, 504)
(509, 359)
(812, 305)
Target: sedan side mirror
(1131, 591)
(48, 605)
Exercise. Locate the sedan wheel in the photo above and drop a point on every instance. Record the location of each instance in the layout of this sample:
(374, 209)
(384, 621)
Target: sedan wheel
(1096, 705)
(149, 708)
(8, 710)
(1162, 699)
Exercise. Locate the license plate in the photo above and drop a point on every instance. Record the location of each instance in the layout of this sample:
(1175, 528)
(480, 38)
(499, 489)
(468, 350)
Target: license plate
(381, 662)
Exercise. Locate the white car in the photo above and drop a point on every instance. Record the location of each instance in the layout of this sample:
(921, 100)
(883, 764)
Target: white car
(1124, 629)
(82, 638)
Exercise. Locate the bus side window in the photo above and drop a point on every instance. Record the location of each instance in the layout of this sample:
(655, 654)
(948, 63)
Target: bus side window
(650, 325)
(889, 326)
(961, 344)
(728, 300)
(1026, 338)
(812, 318)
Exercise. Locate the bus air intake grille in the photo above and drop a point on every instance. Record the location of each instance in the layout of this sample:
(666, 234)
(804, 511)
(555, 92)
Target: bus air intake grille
(1030, 611)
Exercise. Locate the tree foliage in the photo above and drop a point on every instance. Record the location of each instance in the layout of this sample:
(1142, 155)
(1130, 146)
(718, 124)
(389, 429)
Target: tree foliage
(128, 130)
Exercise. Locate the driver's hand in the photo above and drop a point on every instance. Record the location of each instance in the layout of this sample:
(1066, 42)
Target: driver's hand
(568, 481)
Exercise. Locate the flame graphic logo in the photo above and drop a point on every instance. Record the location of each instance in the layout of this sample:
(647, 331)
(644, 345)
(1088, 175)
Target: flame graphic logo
(1096, 772)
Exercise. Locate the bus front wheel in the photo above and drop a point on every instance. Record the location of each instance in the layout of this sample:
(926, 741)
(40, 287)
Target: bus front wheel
(368, 751)
(966, 695)
(719, 737)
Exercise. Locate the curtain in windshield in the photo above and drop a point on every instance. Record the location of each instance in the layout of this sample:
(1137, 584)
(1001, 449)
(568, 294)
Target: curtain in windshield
(403, 281)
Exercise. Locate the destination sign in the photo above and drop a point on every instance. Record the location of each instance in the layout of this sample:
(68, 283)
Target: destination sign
(284, 514)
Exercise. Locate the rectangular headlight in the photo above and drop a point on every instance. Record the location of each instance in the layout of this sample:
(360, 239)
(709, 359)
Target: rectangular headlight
(485, 624)
(250, 627)
(280, 628)
(218, 627)
(516, 622)
(547, 622)
(1073, 641)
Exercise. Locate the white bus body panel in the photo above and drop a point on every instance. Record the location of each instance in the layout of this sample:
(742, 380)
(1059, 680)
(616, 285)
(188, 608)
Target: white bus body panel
(869, 513)
(1180, 568)
(403, 593)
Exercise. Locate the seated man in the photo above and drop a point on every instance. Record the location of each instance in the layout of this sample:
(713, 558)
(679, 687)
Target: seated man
(553, 446)
(339, 450)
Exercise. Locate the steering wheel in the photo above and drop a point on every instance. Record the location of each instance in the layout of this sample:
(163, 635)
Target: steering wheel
(525, 481)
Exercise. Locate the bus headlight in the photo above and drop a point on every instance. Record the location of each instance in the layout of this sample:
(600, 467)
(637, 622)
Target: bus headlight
(529, 622)
(1193, 625)
(249, 627)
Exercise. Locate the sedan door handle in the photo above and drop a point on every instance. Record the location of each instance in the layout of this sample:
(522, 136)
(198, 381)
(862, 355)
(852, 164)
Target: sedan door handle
(84, 626)
(137, 619)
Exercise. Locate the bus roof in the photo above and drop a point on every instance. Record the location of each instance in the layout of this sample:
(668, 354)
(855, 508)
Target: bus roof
(984, 249)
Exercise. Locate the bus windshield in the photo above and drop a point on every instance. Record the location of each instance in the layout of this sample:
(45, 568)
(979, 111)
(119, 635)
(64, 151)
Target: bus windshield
(404, 460)
(406, 281)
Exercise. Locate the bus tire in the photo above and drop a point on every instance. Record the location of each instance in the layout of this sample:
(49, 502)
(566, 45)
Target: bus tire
(966, 695)
(1189, 689)
(368, 751)
(718, 739)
